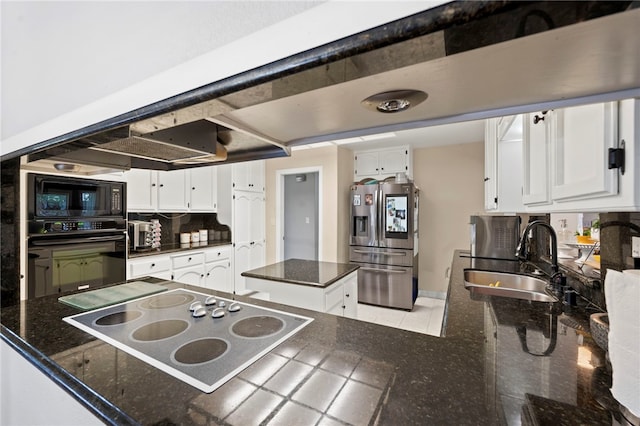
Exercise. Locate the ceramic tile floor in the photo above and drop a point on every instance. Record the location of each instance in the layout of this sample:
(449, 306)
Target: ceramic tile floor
(426, 316)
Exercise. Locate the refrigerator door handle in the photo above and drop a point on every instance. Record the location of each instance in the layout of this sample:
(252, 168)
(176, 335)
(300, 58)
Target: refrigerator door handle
(386, 253)
(385, 271)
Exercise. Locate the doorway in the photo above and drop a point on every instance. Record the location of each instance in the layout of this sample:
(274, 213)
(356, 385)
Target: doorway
(298, 212)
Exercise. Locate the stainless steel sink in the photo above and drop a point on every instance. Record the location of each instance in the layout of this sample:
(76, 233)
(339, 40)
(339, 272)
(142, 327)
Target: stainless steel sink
(506, 285)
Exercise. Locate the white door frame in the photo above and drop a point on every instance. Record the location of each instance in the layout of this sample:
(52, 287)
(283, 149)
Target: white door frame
(280, 174)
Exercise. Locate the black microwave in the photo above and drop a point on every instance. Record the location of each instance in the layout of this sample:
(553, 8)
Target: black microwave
(52, 197)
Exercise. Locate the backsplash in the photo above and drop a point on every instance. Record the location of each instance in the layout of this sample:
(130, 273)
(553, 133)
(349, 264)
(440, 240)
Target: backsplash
(616, 230)
(175, 223)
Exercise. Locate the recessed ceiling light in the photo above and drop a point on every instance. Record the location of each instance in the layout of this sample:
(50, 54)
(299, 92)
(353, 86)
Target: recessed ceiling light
(394, 101)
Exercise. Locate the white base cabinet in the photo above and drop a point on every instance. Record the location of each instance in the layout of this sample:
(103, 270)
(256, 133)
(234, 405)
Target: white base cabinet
(340, 298)
(209, 267)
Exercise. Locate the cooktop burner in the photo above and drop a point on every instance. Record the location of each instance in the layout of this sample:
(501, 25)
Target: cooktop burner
(257, 327)
(182, 337)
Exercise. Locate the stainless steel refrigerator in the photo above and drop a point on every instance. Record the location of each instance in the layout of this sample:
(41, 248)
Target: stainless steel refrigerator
(384, 242)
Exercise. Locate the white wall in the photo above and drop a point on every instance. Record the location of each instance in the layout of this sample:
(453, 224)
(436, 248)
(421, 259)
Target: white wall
(451, 185)
(64, 64)
(337, 166)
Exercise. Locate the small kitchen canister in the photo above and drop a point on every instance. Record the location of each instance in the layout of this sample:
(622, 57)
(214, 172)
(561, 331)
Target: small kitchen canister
(185, 238)
(195, 237)
(203, 235)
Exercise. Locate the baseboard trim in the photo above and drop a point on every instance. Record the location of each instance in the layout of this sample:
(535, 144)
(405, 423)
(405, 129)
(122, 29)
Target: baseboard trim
(442, 295)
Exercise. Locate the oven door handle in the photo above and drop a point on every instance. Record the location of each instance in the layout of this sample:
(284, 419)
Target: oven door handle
(55, 242)
(384, 271)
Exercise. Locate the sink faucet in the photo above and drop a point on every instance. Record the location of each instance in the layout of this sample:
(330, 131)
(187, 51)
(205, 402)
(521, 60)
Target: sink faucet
(522, 245)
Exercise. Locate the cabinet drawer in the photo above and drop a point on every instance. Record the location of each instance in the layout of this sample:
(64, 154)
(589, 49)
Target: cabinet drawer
(149, 267)
(333, 297)
(185, 260)
(223, 252)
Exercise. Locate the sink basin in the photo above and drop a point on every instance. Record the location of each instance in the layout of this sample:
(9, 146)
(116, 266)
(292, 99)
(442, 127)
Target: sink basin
(508, 285)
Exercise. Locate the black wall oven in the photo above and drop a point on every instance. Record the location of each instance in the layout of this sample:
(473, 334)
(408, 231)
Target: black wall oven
(76, 234)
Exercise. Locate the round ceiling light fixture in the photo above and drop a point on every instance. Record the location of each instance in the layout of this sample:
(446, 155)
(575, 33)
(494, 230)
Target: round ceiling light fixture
(64, 167)
(394, 101)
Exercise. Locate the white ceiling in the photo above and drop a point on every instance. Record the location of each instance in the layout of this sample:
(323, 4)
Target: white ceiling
(572, 65)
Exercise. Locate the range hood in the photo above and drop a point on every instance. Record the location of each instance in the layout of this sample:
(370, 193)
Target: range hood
(185, 138)
(189, 143)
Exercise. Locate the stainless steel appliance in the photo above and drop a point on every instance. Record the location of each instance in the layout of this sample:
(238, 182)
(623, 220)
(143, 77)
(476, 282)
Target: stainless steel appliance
(76, 234)
(494, 237)
(140, 235)
(384, 242)
(203, 351)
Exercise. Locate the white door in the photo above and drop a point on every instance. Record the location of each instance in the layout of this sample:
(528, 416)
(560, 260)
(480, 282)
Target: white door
(580, 149)
(366, 164)
(141, 190)
(217, 276)
(191, 276)
(301, 216)
(241, 263)
(535, 159)
(393, 161)
(203, 188)
(491, 164)
(172, 191)
(248, 176)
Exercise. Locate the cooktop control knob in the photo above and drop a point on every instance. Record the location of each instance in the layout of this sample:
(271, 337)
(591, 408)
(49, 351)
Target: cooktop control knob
(195, 305)
(211, 300)
(217, 313)
(199, 312)
(222, 304)
(234, 307)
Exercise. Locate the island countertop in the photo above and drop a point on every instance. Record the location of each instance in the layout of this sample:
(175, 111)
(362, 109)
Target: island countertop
(350, 371)
(303, 272)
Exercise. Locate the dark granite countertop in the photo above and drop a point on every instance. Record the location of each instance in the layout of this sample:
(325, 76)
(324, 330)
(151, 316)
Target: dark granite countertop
(303, 272)
(176, 247)
(356, 372)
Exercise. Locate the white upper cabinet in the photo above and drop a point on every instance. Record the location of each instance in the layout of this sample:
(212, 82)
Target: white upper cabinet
(566, 161)
(503, 164)
(582, 179)
(248, 176)
(203, 189)
(535, 158)
(382, 163)
(172, 191)
(491, 164)
(580, 146)
(142, 192)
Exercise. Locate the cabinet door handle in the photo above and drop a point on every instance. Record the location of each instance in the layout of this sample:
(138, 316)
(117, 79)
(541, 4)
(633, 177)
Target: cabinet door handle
(161, 185)
(193, 188)
(189, 260)
(346, 295)
(153, 265)
(538, 118)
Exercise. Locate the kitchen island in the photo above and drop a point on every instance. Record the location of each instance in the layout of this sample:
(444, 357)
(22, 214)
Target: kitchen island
(345, 370)
(321, 286)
